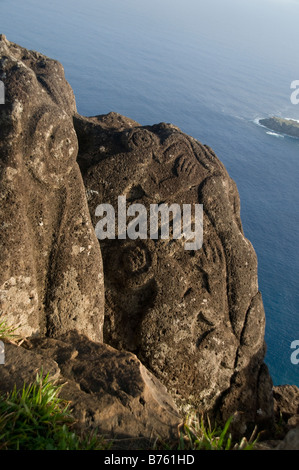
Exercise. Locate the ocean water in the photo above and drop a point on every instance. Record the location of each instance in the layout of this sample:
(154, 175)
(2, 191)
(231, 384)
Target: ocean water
(211, 68)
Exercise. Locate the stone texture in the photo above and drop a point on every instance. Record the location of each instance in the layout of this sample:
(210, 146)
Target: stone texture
(108, 390)
(286, 406)
(194, 318)
(21, 366)
(291, 441)
(286, 398)
(51, 277)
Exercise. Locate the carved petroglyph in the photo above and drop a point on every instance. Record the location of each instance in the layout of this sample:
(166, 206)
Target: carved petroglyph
(182, 312)
(43, 208)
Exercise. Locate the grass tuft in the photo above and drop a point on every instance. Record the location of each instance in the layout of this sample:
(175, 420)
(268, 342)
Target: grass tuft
(7, 332)
(197, 433)
(35, 418)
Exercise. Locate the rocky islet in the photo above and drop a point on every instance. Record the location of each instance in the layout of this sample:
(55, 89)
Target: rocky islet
(289, 127)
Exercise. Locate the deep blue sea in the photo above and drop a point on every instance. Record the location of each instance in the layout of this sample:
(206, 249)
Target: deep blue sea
(210, 68)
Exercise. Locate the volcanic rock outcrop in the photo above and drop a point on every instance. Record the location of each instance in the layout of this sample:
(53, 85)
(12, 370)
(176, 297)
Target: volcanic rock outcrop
(51, 277)
(193, 317)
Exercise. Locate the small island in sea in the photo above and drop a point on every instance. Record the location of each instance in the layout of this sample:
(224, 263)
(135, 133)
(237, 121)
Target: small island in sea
(288, 127)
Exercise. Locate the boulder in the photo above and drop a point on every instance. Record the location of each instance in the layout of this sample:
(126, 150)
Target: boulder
(291, 441)
(194, 317)
(286, 399)
(51, 277)
(286, 406)
(21, 367)
(109, 391)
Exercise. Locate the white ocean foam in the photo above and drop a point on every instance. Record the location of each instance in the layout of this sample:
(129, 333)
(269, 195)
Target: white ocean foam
(275, 134)
(292, 119)
(241, 118)
(257, 122)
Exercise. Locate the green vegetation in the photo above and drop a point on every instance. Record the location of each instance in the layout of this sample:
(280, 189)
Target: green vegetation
(35, 418)
(198, 434)
(7, 332)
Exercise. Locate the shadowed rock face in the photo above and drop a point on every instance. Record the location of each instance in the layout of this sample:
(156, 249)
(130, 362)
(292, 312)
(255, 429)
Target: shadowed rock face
(194, 318)
(51, 268)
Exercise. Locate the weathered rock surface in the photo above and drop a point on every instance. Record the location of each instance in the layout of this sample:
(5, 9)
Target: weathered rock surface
(286, 406)
(109, 390)
(194, 318)
(291, 441)
(51, 277)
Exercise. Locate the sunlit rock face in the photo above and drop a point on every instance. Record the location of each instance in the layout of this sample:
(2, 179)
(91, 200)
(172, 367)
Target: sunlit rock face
(195, 318)
(51, 268)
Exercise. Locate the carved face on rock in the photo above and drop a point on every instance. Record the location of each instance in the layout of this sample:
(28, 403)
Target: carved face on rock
(53, 148)
(51, 266)
(181, 312)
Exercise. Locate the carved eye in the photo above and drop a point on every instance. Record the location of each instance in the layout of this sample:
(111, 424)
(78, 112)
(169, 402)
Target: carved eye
(130, 264)
(140, 138)
(136, 260)
(62, 143)
(53, 148)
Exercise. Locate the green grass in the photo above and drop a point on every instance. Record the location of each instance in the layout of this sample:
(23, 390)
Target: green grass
(35, 418)
(197, 433)
(7, 332)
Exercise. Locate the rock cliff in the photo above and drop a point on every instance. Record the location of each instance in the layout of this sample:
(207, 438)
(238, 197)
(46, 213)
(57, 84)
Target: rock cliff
(195, 318)
(177, 328)
(51, 273)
